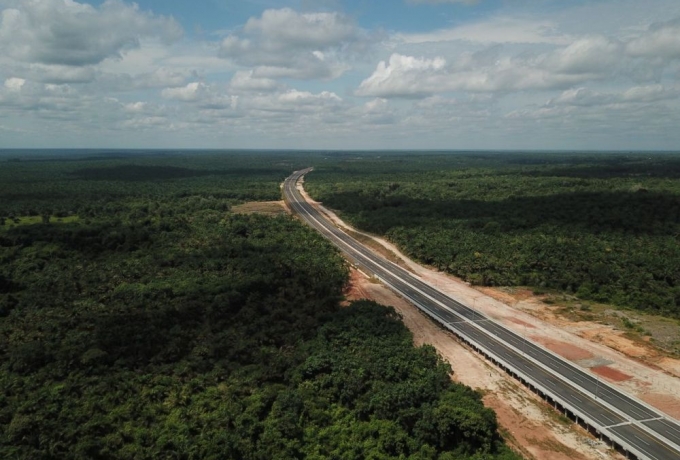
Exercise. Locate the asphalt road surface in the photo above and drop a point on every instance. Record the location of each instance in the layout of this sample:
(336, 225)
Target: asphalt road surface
(634, 425)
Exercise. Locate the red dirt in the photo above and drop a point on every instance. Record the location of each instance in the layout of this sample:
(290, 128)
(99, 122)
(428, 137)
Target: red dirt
(355, 289)
(611, 374)
(564, 349)
(666, 403)
(521, 323)
(532, 439)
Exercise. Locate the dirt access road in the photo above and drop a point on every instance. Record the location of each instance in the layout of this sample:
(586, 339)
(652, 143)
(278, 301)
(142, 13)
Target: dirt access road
(529, 424)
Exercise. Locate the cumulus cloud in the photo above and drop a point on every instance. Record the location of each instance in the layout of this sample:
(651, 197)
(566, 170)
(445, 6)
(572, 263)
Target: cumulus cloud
(592, 56)
(14, 84)
(284, 28)
(619, 117)
(135, 107)
(69, 33)
(188, 93)
(305, 97)
(247, 81)
(47, 101)
(584, 60)
(77, 71)
(109, 82)
(493, 31)
(292, 102)
(662, 40)
(404, 76)
(285, 43)
(59, 74)
(584, 97)
(377, 112)
(161, 77)
(204, 96)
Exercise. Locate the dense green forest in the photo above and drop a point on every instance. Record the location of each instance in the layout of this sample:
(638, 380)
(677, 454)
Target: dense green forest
(604, 227)
(140, 318)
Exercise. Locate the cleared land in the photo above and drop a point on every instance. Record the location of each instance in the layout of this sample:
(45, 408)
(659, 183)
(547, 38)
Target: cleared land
(271, 208)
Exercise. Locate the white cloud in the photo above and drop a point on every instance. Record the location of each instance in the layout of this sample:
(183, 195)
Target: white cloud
(403, 76)
(594, 74)
(493, 31)
(662, 40)
(285, 28)
(65, 32)
(584, 97)
(48, 101)
(650, 93)
(305, 97)
(377, 112)
(135, 107)
(246, 81)
(587, 59)
(289, 105)
(149, 123)
(588, 56)
(14, 84)
(60, 73)
(161, 77)
(581, 97)
(285, 43)
(188, 93)
(204, 96)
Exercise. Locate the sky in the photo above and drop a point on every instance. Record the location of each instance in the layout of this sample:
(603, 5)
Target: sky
(334, 74)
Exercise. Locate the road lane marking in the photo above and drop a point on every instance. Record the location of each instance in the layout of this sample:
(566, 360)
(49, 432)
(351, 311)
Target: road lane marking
(640, 439)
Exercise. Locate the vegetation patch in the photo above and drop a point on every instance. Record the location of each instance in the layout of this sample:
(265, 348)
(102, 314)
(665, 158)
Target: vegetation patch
(601, 227)
(137, 173)
(10, 222)
(162, 325)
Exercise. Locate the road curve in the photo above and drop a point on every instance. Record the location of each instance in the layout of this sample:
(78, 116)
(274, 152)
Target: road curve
(632, 425)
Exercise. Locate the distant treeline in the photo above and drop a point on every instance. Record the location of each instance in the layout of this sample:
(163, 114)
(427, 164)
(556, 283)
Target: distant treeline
(604, 227)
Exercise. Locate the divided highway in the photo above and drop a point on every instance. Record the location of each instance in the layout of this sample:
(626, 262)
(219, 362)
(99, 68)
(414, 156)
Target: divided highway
(634, 426)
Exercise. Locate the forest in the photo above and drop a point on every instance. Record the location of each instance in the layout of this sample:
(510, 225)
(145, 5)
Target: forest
(141, 318)
(604, 227)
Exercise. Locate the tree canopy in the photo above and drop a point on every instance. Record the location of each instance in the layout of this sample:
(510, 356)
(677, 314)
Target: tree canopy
(145, 320)
(604, 227)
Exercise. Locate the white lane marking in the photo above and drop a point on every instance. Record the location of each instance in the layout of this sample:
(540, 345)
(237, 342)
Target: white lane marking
(640, 439)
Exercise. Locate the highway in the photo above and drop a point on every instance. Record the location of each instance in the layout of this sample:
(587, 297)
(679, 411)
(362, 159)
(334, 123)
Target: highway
(634, 426)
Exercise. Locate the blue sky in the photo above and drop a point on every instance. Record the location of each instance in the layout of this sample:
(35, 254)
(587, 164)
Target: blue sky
(216, 14)
(415, 74)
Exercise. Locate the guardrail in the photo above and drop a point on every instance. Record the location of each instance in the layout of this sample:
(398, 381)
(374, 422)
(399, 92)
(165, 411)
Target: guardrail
(508, 367)
(537, 362)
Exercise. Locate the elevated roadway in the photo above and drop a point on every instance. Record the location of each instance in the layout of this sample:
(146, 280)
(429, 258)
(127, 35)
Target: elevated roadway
(632, 425)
